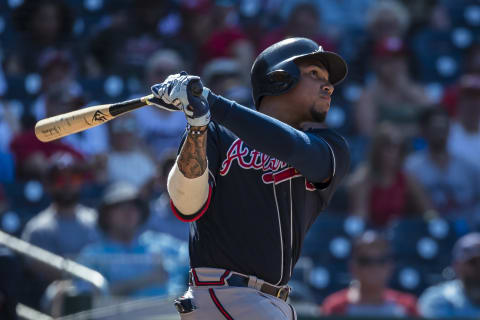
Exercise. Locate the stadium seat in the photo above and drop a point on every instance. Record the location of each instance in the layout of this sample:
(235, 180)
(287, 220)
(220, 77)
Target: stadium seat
(423, 249)
(26, 199)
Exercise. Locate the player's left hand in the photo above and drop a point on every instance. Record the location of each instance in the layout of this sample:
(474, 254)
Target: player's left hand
(178, 91)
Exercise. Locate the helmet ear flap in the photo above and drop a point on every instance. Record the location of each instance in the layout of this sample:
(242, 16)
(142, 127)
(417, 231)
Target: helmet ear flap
(279, 80)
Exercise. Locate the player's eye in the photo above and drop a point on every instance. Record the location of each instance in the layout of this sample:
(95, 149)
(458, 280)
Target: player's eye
(314, 73)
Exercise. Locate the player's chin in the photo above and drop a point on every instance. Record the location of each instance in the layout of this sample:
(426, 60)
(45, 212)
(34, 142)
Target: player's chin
(318, 115)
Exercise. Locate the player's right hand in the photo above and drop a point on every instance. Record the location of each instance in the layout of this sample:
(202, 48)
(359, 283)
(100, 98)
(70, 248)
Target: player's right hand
(177, 91)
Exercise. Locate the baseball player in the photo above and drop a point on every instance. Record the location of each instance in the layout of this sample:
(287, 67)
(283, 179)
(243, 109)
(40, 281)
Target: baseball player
(252, 182)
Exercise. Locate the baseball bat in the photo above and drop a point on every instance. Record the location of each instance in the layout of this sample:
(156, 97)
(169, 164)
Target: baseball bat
(62, 125)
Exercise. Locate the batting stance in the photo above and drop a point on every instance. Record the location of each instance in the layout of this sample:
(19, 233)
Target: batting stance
(252, 182)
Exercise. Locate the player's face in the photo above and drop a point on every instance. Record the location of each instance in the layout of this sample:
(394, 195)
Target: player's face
(312, 94)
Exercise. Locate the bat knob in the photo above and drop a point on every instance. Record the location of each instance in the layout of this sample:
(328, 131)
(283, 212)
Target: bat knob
(195, 87)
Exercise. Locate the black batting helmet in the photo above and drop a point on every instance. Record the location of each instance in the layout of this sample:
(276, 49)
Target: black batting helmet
(274, 71)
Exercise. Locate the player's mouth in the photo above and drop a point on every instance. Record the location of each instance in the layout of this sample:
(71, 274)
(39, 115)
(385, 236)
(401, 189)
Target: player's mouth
(326, 97)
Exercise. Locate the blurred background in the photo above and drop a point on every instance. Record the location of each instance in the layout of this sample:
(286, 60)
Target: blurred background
(388, 244)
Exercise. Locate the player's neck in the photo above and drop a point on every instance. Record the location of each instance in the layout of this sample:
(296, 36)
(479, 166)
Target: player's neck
(279, 111)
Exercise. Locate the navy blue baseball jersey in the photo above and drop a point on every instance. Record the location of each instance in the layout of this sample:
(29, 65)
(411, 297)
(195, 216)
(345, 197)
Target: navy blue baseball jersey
(260, 206)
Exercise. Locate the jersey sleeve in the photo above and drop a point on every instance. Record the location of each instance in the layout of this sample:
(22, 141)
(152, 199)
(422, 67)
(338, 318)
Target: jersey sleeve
(340, 152)
(277, 139)
(213, 162)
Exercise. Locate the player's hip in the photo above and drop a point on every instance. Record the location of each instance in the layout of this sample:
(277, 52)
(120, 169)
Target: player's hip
(222, 294)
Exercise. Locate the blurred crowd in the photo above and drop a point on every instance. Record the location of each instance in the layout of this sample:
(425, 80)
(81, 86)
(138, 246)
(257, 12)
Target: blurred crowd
(400, 237)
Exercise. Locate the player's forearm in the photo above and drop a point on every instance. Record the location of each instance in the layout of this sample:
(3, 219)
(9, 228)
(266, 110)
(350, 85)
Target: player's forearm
(188, 180)
(275, 138)
(192, 160)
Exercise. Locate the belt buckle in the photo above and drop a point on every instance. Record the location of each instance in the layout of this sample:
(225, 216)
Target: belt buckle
(283, 293)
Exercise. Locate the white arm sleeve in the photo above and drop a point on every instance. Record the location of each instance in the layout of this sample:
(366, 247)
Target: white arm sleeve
(188, 195)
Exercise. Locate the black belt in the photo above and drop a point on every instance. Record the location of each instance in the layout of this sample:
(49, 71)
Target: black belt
(238, 280)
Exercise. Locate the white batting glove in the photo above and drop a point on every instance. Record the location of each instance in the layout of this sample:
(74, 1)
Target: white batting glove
(181, 91)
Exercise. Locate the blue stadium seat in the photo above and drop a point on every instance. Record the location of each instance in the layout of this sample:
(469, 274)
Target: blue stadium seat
(26, 199)
(414, 238)
(422, 246)
(318, 240)
(408, 277)
(105, 89)
(325, 279)
(328, 248)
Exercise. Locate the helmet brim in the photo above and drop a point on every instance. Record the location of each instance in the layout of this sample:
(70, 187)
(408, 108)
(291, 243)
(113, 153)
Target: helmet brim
(335, 65)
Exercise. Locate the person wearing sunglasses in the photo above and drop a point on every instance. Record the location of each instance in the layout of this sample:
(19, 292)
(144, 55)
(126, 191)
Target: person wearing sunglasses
(368, 295)
(459, 297)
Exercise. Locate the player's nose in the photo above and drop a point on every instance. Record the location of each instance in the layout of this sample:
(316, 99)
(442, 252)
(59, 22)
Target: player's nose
(328, 88)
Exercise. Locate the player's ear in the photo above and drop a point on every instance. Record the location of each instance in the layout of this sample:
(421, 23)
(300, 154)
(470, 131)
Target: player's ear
(280, 79)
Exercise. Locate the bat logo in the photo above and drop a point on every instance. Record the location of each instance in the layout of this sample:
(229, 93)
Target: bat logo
(99, 116)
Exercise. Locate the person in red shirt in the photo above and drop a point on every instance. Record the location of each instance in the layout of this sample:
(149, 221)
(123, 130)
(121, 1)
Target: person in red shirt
(31, 155)
(379, 190)
(368, 295)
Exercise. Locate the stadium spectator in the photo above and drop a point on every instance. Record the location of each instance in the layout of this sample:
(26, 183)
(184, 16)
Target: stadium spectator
(60, 92)
(464, 139)
(127, 161)
(303, 21)
(368, 294)
(31, 155)
(436, 59)
(160, 129)
(143, 27)
(56, 70)
(338, 18)
(452, 183)
(224, 76)
(127, 264)
(471, 65)
(379, 190)
(198, 23)
(392, 95)
(44, 25)
(385, 19)
(53, 228)
(227, 39)
(420, 13)
(458, 298)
